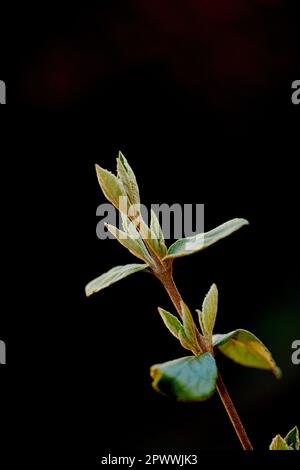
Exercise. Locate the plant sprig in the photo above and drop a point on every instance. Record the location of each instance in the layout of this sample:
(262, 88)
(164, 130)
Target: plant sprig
(195, 377)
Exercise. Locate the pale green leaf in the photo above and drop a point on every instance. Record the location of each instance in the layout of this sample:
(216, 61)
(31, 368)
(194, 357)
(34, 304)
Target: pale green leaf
(155, 227)
(189, 327)
(186, 343)
(190, 245)
(112, 276)
(177, 329)
(134, 234)
(201, 323)
(278, 443)
(125, 222)
(246, 349)
(292, 439)
(157, 235)
(127, 176)
(131, 241)
(129, 226)
(190, 378)
(209, 309)
(171, 322)
(150, 239)
(111, 186)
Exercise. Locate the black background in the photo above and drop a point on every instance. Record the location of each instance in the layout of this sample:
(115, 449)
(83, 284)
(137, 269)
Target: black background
(199, 100)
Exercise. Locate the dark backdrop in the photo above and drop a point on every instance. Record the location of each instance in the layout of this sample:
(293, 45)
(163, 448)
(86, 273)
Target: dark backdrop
(198, 99)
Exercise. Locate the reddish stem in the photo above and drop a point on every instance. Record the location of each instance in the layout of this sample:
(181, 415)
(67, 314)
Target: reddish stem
(165, 276)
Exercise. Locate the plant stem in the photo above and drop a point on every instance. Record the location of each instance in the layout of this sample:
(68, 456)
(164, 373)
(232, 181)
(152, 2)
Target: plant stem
(233, 415)
(171, 288)
(168, 282)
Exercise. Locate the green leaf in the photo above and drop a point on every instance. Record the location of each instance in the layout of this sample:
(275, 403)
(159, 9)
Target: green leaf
(125, 222)
(292, 439)
(186, 343)
(177, 330)
(209, 310)
(190, 378)
(112, 276)
(151, 241)
(188, 246)
(157, 235)
(246, 349)
(131, 241)
(279, 443)
(127, 176)
(171, 322)
(111, 186)
(189, 328)
(200, 318)
(156, 228)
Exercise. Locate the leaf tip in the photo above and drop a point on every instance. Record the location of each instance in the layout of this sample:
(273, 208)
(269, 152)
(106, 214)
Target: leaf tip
(160, 311)
(245, 221)
(88, 291)
(277, 372)
(111, 228)
(155, 375)
(99, 169)
(214, 287)
(278, 443)
(121, 161)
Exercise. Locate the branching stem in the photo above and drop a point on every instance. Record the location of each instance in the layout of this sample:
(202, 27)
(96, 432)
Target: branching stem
(166, 277)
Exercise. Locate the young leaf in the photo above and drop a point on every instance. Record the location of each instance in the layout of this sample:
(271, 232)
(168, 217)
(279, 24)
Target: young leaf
(189, 328)
(157, 235)
(201, 323)
(188, 246)
(246, 349)
(129, 227)
(127, 176)
(186, 343)
(171, 322)
(209, 310)
(111, 186)
(132, 242)
(292, 439)
(112, 276)
(125, 222)
(156, 228)
(190, 378)
(278, 443)
(147, 235)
